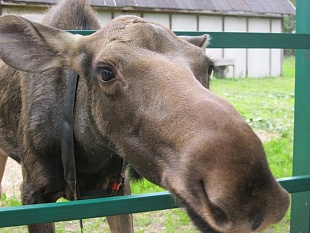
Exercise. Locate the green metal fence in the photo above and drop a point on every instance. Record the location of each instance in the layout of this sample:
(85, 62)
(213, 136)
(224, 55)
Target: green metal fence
(298, 185)
(300, 218)
(92, 208)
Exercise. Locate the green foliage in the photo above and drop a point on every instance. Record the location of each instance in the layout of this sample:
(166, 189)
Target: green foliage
(289, 22)
(294, 2)
(289, 26)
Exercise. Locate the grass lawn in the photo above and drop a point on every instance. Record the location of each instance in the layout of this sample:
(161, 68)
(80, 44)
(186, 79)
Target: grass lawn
(267, 104)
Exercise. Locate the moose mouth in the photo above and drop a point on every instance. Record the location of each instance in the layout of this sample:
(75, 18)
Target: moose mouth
(204, 226)
(219, 216)
(199, 222)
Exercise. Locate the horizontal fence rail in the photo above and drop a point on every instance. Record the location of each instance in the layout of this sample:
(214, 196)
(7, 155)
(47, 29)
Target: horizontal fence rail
(81, 209)
(244, 39)
(255, 40)
(92, 208)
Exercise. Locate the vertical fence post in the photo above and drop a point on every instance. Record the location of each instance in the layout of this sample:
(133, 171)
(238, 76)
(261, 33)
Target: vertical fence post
(301, 161)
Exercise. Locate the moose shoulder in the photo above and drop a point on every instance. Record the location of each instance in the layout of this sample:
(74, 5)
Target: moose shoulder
(139, 99)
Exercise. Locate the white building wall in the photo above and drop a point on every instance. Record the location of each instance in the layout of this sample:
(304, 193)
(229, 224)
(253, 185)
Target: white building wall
(276, 54)
(236, 24)
(104, 17)
(162, 19)
(31, 13)
(22, 10)
(258, 59)
(183, 22)
(208, 23)
(119, 13)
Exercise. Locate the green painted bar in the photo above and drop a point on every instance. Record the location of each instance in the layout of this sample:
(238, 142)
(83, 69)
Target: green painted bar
(92, 208)
(82, 32)
(63, 211)
(246, 40)
(254, 40)
(301, 160)
(296, 184)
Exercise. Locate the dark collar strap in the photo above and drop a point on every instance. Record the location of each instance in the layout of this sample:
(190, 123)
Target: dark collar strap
(67, 138)
(67, 148)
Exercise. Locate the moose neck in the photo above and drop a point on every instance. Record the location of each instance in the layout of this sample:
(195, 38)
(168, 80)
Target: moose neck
(88, 129)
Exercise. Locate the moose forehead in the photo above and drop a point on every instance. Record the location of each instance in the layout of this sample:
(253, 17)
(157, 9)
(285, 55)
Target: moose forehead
(132, 34)
(140, 32)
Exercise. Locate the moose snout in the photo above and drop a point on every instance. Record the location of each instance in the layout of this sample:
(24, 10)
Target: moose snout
(225, 221)
(236, 191)
(237, 210)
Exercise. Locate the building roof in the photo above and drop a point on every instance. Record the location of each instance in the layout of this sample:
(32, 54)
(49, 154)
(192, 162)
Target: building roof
(253, 7)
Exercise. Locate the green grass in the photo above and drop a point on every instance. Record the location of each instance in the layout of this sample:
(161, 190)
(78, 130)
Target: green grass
(267, 104)
(160, 221)
(9, 201)
(288, 67)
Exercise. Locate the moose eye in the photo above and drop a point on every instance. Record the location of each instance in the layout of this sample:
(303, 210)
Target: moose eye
(106, 74)
(210, 69)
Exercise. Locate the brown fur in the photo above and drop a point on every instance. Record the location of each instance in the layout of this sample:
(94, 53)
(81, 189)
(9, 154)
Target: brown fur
(154, 114)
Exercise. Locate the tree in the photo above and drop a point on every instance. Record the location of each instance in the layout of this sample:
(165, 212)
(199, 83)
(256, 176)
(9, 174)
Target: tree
(290, 21)
(289, 26)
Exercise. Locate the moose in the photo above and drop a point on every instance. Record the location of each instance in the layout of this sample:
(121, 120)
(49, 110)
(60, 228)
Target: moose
(141, 97)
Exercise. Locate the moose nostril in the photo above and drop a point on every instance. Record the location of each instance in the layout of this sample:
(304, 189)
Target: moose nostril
(257, 221)
(219, 215)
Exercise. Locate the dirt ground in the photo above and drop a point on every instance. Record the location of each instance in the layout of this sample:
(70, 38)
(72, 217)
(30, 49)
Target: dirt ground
(12, 179)
(13, 175)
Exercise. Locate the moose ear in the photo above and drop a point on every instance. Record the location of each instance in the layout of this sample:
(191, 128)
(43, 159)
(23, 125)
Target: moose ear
(200, 41)
(32, 47)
